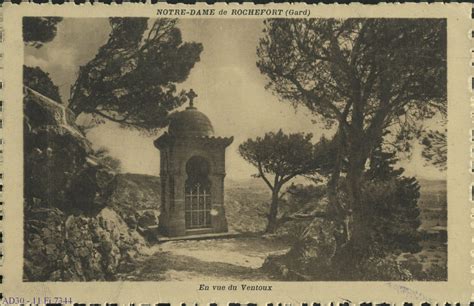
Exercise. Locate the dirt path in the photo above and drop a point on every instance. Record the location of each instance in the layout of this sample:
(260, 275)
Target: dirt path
(216, 259)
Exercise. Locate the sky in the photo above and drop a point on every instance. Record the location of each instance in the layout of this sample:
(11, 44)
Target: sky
(231, 91)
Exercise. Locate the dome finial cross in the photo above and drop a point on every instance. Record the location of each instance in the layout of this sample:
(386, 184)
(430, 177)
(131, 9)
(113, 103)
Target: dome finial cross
(191, 95)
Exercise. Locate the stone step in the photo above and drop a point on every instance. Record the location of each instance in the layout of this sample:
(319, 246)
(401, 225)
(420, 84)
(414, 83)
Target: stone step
(225, 235)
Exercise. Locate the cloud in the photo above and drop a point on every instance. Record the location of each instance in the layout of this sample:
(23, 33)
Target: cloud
(135, 151)
(33, 61)
(76, 42)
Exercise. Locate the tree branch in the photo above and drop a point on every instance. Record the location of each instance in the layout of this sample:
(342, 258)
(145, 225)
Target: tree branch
(260, 170)
(111, 118)
(311, 96)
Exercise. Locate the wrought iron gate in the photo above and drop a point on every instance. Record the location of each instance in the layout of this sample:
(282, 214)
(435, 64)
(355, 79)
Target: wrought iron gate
(197, 206)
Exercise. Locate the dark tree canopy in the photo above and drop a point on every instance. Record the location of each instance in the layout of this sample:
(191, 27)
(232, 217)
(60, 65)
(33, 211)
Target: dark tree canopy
(375, 79)
(39, 30)
(285, 156)
(280, 157)
(393, 200)
(38, 80)
(365, 74)
(132, 79)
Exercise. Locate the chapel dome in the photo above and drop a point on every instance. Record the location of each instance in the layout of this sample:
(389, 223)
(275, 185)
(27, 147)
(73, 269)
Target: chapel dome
(190, 122)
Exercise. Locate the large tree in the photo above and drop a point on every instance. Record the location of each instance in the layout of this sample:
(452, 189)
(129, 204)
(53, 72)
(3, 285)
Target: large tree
(284, 156)
(132, 79)
(39, 30)
(367, 77)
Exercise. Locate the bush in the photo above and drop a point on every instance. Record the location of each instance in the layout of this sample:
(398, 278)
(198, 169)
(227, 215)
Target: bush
(383, 269)
(394, 217)
(392, 224)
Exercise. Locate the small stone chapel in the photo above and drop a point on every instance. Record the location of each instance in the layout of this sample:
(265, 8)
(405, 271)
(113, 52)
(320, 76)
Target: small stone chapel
(192, 171)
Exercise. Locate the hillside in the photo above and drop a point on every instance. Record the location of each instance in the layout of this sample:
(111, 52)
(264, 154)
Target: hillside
(246, 201)
(433, 203)
(137, 199)
(246, 204)
(138, 191)
(433, 193)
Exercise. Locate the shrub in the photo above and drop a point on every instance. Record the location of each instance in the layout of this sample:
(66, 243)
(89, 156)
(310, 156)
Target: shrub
(395, 215)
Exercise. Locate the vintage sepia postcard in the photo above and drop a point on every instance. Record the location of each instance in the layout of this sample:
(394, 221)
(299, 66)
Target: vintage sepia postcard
(281, 153)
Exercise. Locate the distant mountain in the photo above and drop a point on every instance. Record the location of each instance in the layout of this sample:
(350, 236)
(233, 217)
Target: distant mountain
(252, 183)
(433, 203)
(247, 200)
(433, 193)
(250, 198)
(433, 185)
(246, 204)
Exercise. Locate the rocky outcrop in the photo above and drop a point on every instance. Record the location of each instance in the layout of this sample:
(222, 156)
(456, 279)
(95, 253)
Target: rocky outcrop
(63, 247)
(73, 230)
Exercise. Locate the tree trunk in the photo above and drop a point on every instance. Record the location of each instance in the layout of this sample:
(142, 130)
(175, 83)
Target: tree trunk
(357, 227)
(272, 216)
(335, 211)
(351, 255)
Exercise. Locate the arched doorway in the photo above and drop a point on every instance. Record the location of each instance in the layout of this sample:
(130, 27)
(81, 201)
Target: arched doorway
(197, 194)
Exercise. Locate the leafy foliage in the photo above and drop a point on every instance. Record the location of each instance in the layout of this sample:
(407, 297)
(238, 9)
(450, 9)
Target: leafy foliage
(382, 165)
(368, 70)
(391, 227)
(39, 30)
(435, 148)
(37, 79)
(393, 200)
(384, 269)
(366, 75)
(132, 79)
(395, 217)
(285, 156)
(103, 156)
(302, 195)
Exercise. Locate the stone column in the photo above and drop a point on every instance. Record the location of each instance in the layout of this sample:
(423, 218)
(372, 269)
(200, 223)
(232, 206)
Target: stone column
(177, 223)
(219, 221)
(165, 203)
